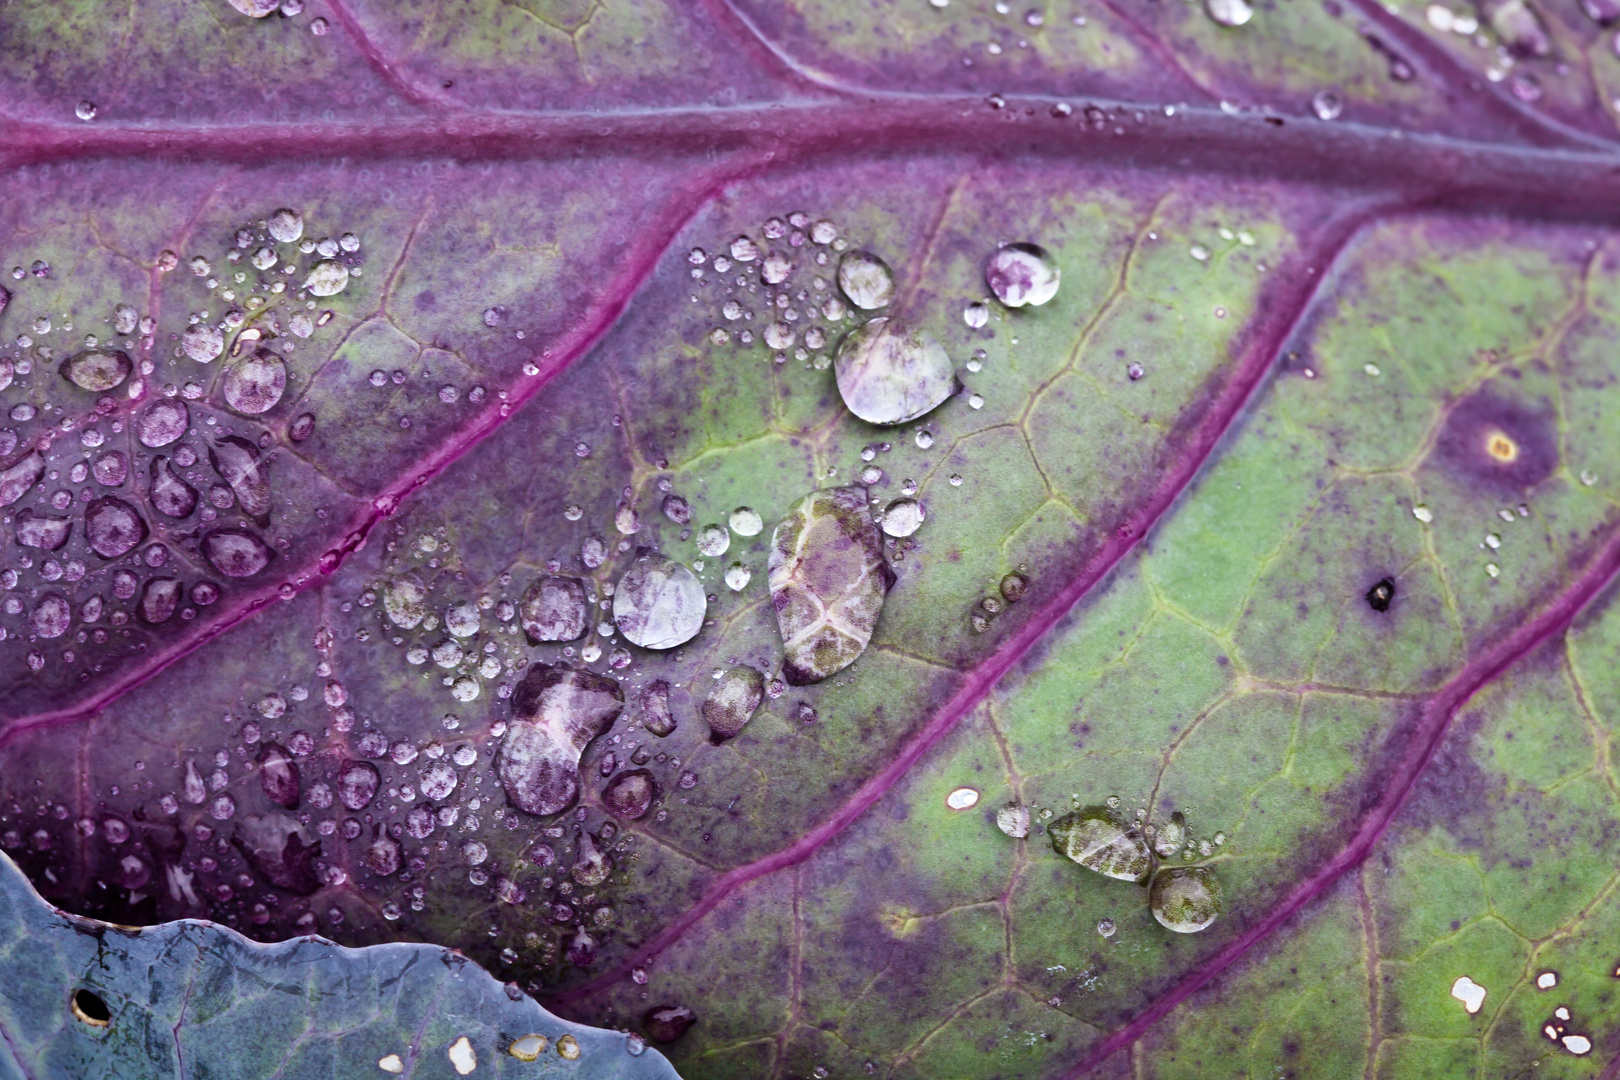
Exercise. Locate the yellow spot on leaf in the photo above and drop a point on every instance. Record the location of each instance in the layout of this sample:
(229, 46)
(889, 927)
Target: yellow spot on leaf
(1501, 447)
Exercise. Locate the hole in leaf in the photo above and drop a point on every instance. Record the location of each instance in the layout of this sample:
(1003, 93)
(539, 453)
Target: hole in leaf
(90, 1009)
(1379, 596)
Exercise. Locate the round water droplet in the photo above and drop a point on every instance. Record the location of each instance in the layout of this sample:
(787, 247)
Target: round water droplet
(738, 576)
(744, 249)
(236, 552)
(976, 313)
(162, 423)
(1021, 274)
(1327, 105)
(327, 278)
(113, 528)
(1186, 899)
(1105, 927)
(85, 110)
(255, 383)
(745, 521)
(658, 603)
(902, 517)
(889, 373)
(713, 541)
(285, 226)
(865, 279)
(776, 268)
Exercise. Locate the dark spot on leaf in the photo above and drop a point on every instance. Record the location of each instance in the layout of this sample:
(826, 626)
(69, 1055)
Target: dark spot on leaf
(1379, 596)
(89, 1008)
(666, 1023)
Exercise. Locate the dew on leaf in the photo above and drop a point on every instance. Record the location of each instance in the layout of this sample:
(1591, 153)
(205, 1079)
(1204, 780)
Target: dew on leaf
(159, 599)
(327, 278)
(51, 617)
(591, 864)
(776, 268)
(888, 373)
(162, 422)
(556, 711)
(98, 370)
(653, 705)
(828, 579)
(745, 521)
(1229, 12)
(1185, 899)
(975, 313)
(21, 475)
(658, 603)
(357, 783)
(1013, 819)
(865, 280)
(170, 494)
(1099, 840)
(1327, 105)
(738, 576)
(1470, 993)
(732, 702)
(1170, 835)
(278, 774)
(630, 794)
(1022, 274)
(203, 343)
(1381, 594)
(238, 463)
(902, 517)
(45, 531)
(713, 541)
(236, 552)
(405, 601)
(666, 1023)
(112, 527)
(438, 780)
(255, 383)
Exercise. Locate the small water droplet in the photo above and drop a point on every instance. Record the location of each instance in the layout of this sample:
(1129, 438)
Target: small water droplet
(1229, 12)
(85, 110)
(1022, 274)
(1327, 105)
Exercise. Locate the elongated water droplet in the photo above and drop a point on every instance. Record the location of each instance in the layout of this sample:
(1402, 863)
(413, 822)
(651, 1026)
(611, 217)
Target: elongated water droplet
(556, 711)
(327, 278)
(99, 370)
(732, 702)
(1097, 839)
(1229, 12)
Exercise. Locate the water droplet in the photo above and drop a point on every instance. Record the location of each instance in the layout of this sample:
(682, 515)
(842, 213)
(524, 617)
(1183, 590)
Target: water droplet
(357, 783)
(865, 279)
(889, 373)
(555, 609)
(743, 249)
(658, 603)
(1327, 105)
(925, 439)
(285, 226)
(202, 342)
(112, 527)
(630, 794)
(255, 383)
(1021, 274)
(902, 517)
(976, 313)
(713, 541)
(654, 707)
(666, 1023)
(776, 268)
(732, 702)
(828, 579)
(1185, 900)
(236, 552)
(85, 110)
(44, 531)
(405, 601)
(98, 370)
(556, 711)
(745, 521)
(237, 462)
(738, 576)
(162, 423)
(327, 278)
(1229, 12)
(302, 427)
(1097, 839)
(1470, 993)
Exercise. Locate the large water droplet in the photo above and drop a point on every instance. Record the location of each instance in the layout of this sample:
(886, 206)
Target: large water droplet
(51, 617)
(1185, 899)
(162, 422)
(555, 609)
(630, 794)
(203, 343)
(556, 711)
(1013, 819)
(237, 462)
(278, 774)
(236, 552)
(285, 226)
(327, 278)
(656, 716)
(45, 531)
(405, 601)
(19, 476)
(112, 527)
(889, 373)
(1098, 840)
(658, 603)
(902, 517)
(732, 702)
(865, 279)
(255, 383)
(170, 494)
(827, 579)
(97, 369)
(357, 783)
(1021, 274)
